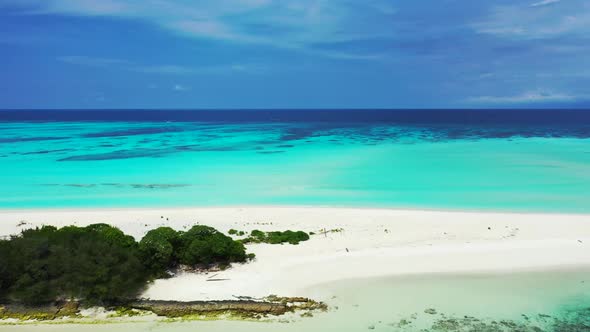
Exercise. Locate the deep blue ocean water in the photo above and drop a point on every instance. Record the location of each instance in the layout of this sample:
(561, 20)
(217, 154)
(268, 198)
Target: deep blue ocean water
(514, 160)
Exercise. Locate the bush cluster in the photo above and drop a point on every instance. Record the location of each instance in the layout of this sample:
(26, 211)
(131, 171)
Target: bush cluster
(291, 237)
(99, 264)
(236, 232)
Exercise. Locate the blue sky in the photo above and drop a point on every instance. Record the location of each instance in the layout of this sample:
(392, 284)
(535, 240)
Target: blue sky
(294, 53)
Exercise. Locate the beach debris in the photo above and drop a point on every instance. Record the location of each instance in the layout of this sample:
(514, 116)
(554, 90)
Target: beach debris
(247, 298)
(347, 250)
(326, 231)
(212, 278)
(371, 327)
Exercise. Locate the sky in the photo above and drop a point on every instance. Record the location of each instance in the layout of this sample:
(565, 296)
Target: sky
(294, 54)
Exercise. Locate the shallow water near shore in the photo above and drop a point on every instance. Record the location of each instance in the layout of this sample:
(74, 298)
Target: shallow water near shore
(443, 161)
(532, 301)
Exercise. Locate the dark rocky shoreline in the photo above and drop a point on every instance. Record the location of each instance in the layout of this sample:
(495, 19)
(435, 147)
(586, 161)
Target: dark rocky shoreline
(247, 309)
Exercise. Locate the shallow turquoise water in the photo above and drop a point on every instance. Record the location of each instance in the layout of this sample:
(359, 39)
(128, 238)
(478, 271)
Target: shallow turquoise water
(131, 164)
(525, 302)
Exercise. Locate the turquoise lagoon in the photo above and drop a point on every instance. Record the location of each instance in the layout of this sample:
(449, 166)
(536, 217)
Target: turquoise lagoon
(433, 165)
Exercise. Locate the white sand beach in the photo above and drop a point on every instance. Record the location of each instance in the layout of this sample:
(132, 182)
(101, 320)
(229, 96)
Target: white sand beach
(369, 243)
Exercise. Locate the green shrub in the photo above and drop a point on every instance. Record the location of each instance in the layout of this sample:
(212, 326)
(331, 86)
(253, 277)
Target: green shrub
(45, 264)
(205, 245)
(257, 236)
(236, 232)
(113, 235)
(158, 249)
(6, 273)
(99, 264)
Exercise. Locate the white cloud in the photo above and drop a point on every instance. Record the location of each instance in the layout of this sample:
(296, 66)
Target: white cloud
(538, 20)
(71, 7)
(208, 28)
(180, 88)
(544, 3)
(162, 69)
(213, 69)
(530, 97)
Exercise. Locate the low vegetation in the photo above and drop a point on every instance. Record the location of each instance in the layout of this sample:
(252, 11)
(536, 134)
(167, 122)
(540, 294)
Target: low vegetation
(99, 264)
(291, 237)
(236, 232)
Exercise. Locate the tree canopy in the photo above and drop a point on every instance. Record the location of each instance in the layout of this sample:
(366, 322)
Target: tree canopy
(158, 249)
(45, 264)
(101, 264)
(206, 245)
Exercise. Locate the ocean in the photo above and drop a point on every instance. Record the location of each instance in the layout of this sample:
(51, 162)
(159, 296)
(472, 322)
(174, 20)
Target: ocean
(499, 160)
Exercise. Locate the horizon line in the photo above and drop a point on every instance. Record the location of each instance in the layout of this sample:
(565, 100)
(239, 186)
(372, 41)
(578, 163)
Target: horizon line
(302, 109)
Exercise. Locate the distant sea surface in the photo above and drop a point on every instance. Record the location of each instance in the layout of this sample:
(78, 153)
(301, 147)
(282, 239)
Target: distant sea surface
(500, 160)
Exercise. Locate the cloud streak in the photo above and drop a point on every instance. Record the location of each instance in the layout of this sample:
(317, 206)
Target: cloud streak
(286, 24)
(531, 97)
(537, 21)
(92, 61)
(544, 3)
(161, 69)
(180, 88)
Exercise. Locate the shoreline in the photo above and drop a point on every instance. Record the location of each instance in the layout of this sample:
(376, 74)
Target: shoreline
(359, 243)
(538, 301)
(288, 206)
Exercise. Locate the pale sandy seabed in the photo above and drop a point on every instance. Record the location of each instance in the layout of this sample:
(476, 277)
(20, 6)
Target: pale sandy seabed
(381, 266)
